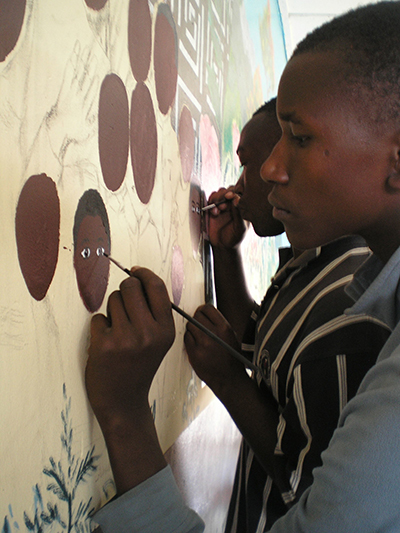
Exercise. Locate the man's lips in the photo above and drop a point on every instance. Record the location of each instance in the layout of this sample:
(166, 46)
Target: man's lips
(278, 211)
(280, 214)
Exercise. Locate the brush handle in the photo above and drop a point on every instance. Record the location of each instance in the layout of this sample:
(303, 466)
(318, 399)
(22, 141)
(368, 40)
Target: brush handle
(216, 204)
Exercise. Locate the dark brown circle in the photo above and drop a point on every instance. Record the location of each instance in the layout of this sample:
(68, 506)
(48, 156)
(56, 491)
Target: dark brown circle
(139, 38)
(186, 143)
(96, 4)
(143, 142)
(177, 274)
(11, 20)
(37, 231)
(165, 58)
(113, 131)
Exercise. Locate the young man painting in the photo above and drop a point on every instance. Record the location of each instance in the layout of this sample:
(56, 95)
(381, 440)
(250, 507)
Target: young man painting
(312, 357)
(335, 172)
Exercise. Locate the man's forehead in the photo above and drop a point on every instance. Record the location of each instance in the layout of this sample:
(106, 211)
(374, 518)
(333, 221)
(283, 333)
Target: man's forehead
(244, 137)
(254, 127)
(310, 80)
(289, 116)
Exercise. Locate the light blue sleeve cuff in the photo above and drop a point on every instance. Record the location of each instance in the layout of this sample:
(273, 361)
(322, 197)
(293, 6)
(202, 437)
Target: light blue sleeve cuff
(154, 505)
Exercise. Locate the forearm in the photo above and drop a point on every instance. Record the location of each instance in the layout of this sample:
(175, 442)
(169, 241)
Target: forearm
(233, 297)
(133, 448)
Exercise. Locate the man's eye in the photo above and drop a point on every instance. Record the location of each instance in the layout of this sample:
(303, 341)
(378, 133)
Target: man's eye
(100, 251)
(85, 253)
(301, 140)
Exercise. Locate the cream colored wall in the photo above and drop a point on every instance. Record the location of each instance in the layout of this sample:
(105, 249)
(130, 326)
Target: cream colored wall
(57, 66)
(54, 463)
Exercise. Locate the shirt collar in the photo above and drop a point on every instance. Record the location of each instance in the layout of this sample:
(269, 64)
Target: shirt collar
(304, 258)
(288, 263)
(375, 289)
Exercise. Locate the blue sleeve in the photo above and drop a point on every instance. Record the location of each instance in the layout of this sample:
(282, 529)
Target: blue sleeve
(357, 488)
(154, 505)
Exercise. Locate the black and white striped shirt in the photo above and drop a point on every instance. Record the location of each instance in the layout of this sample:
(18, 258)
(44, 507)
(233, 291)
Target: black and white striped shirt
(313, 358)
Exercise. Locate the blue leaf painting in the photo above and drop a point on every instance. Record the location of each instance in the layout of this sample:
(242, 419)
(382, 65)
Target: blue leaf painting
(70, 514)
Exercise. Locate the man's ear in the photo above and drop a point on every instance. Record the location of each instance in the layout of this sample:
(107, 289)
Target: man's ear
(393, 179)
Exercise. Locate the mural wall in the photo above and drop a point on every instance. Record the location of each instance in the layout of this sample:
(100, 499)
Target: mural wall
(117, 119)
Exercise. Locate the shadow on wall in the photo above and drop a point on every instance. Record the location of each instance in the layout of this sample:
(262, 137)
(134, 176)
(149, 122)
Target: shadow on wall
(203, 460)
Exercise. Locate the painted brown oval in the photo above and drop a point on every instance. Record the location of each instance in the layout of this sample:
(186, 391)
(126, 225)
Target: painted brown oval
(143, 142)
(37, 231)
(91, 234)
(165, 58)
(113, 131)
(139, 38)
(11, 19)
(96, 4)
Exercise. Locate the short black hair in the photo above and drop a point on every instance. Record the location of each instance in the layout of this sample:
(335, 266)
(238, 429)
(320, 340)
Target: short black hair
(368, 39)
(268, 107)
(91, 204)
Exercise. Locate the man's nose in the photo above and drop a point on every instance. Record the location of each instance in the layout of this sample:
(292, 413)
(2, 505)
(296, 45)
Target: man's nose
(239, 187)
(273, 169)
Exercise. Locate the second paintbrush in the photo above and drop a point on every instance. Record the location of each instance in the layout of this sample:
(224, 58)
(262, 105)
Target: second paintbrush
(216, 204)
(198, 324)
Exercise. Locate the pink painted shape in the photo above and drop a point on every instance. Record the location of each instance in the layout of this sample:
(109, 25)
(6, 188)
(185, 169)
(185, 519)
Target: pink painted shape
(177, 274)
(210, 156)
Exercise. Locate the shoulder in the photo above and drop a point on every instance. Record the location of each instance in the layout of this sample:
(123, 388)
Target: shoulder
(351, 250)
(355, 335)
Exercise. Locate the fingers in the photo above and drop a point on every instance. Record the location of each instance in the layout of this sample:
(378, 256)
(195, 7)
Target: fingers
(99, 330)
(98, 325)
(219, 196)
(144, 292)
(115, 324)
(210, 317)
(211, 362)
(128, 346)
(237, 216)
(217, 199)
(232, 195)
(141, 300)
(215, 322)
(216, 196)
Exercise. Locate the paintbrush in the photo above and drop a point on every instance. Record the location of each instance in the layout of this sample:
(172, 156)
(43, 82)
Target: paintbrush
(216, 204)
(198, 324)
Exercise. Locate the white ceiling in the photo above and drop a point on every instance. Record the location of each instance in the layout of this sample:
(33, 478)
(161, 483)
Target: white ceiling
(301, 16)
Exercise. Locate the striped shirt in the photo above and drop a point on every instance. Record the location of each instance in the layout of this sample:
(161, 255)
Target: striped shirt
(313, 358)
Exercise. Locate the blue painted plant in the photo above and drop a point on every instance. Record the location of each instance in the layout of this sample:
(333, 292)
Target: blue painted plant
(65, 478)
